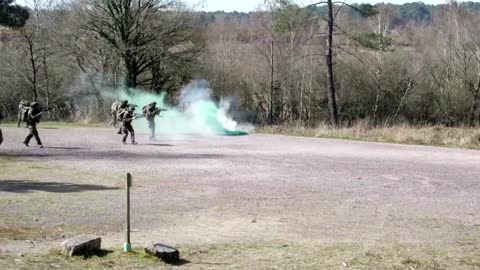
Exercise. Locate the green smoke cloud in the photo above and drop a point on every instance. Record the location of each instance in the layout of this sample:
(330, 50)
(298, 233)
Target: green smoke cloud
(196, 113)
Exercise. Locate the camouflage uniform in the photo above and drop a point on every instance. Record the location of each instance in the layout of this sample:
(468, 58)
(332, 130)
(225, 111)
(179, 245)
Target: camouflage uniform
(34, 115)
(127, 125)
(123, 106)
(150, 112)
(21, 109)
(113, 114)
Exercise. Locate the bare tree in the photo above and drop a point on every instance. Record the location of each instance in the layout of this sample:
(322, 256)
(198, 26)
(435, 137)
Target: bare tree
(364, 9)
(142, 33)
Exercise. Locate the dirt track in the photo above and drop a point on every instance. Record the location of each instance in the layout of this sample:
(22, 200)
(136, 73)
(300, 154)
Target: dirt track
(253, 188)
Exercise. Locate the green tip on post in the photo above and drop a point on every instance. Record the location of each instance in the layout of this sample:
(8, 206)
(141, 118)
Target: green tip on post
(127, 247)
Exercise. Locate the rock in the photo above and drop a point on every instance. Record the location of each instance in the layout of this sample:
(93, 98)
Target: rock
(165, 253)
(81, 245)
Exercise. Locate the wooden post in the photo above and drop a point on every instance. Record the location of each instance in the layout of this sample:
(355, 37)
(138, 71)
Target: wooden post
(127, 246)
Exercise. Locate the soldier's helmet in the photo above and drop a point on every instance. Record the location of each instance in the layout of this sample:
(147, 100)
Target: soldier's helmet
(154, 103)
(125, 102)
(34, 104)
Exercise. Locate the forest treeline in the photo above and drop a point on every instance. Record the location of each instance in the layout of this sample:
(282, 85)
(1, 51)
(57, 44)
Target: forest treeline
(411, 63)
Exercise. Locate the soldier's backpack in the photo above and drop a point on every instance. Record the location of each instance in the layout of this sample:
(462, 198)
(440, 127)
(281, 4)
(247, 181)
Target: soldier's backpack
(115, 107)
(24, 115)
(120, 114)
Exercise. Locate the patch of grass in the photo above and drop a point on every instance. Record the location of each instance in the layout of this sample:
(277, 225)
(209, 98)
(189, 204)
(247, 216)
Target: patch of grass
(57, 232)
(465, 137)
(31, 200)
(105, 259)
(14, 167)
(23, 233)
(258, 255)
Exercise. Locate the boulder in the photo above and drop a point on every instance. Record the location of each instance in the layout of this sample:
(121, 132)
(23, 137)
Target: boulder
(165, 253)
(81, 245)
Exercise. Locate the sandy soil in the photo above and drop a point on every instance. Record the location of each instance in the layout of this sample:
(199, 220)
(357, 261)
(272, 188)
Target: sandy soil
(204, 190)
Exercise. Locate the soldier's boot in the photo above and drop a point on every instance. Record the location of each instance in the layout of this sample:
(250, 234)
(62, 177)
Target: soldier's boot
(132, 136)
(27, 140)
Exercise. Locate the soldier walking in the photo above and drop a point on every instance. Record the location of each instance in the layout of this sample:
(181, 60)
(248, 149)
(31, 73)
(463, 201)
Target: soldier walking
(33, 118)
(150, 111)
(127, 118)
(113, 114)
(22, 108)
(121, 109)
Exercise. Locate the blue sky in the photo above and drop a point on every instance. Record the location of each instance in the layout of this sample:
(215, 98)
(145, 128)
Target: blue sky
(249, 5)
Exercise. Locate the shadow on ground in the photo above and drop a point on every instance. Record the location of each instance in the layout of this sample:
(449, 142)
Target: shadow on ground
(65, 148)
(27, 186)
(159, 144)
(98, 253)
(113, 155)
(179, 263)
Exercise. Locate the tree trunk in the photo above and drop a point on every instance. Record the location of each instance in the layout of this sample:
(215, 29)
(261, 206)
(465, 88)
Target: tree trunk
(131, 69)
(272, 82)
(474, 109)
(332, 102)
(34, 68)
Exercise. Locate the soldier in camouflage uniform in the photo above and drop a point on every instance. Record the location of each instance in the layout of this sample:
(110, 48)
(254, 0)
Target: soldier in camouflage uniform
(120, 110)
(113, 114)
(34, 115)
(150, 111)
(127, 118)
(21, 110)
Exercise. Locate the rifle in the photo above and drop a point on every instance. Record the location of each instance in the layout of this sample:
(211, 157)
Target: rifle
(138, 116)
(158, 111)
(42, 111)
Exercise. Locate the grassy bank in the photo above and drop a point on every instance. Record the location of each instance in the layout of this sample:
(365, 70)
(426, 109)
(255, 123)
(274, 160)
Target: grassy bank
(465, 137)
(265, 256)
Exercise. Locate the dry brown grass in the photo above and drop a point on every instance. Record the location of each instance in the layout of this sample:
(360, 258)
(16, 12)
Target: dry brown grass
(242, 255)
(466, 137)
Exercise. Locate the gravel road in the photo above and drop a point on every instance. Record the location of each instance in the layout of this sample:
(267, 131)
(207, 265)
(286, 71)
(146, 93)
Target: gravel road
(258, 187)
